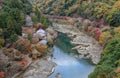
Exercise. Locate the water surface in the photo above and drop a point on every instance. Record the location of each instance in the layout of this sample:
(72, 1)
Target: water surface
(70, 67)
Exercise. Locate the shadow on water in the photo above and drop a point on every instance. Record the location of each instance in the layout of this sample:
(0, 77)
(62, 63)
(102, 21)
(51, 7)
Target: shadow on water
(67, 65)
(63, 42)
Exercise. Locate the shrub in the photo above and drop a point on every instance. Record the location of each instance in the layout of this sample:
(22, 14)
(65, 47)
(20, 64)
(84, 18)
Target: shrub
(45, 21)
(113, 17)
(1, 42)
(97, 33)
(1, 31)
(100, 10)
(104, 37)
(1, 39)
(82, 8)
(117, 31)
(14, 37)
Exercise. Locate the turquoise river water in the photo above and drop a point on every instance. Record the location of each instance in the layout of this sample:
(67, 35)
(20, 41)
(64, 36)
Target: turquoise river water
(69, 66)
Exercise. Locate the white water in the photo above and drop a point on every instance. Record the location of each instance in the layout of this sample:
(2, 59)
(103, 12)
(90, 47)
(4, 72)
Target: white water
(70, 67)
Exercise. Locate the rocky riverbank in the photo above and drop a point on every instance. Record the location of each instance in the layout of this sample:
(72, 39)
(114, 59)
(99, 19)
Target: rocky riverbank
(29, 56)
(86, 46)
(40, 68)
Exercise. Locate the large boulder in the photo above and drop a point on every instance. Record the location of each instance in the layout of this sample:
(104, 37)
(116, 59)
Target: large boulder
(44, 41)
(50, 39)
(29, 22)
(86, 22)
(41, 32)
(50, 31)
(51, 35)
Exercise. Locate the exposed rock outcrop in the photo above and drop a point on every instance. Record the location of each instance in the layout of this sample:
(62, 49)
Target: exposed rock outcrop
(12, 62)
(86, 46)
(40, 69)
(29, 21)
(51, 35)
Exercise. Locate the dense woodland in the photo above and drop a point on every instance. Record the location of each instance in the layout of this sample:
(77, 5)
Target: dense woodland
(12, 18)
(107, 31)
(13, 47)
(107, 11)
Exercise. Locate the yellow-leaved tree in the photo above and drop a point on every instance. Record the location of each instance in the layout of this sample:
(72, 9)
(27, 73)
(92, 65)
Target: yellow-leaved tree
(117, 31)
(104, 37)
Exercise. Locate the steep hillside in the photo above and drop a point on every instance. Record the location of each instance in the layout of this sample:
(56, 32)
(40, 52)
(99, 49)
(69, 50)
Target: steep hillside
(107, 10)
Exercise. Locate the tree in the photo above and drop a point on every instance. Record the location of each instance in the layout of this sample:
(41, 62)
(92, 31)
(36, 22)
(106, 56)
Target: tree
(12, 18)
(109, 60)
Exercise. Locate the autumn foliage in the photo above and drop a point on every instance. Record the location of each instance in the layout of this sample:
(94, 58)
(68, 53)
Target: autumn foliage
(104, 37)
(2, 74)
(22, 45)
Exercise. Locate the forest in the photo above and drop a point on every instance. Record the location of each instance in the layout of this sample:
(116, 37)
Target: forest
(14, 49)
(101, 21)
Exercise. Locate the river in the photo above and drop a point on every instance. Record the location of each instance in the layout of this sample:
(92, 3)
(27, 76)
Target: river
(69, 66)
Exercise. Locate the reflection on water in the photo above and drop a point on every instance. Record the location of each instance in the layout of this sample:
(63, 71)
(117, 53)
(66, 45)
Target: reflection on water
(70, 67)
